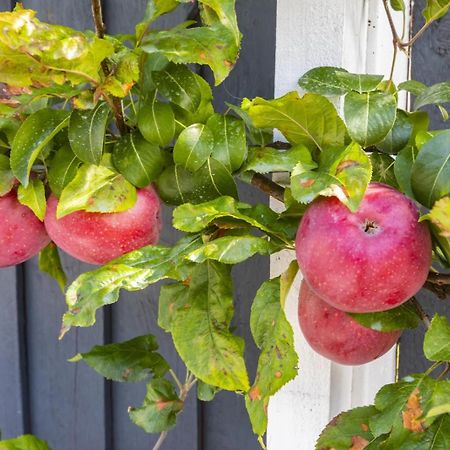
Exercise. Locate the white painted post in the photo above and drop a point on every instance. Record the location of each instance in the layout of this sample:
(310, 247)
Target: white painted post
(353, 34)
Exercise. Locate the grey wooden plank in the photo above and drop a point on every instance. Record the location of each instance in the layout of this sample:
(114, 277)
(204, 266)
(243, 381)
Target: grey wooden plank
(430, 64)
(431, 56)
(67, 401)
(13, 384)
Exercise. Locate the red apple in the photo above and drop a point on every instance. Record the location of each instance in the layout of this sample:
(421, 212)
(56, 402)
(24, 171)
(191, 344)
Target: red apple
(335, 335)
(97, 238)
(22, 235)
(371, 260)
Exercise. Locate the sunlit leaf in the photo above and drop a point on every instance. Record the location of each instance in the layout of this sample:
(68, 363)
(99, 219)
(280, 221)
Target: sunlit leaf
(96, 189)
(278, 361)
(33, 196)
(435, 9)
(25, 442)
(311, 120)
(440, 216)
(323, 81)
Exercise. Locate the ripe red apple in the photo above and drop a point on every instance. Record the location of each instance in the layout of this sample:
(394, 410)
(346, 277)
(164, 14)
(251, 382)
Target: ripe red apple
(335, 335)
(371, 260)
(97, 238)
(22, 235)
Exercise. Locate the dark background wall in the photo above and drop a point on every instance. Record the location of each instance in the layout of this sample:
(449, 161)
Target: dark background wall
(68, 404)
(430, 64)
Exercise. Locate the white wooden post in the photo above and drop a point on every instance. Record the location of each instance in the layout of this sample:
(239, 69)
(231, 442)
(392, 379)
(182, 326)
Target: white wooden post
(353, 34)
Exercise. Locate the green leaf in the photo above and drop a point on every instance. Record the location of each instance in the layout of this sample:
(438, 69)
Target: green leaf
(192, 218)
(311, 120)
(435, 9)
(176, 185)
(132, 272)
(230, 146)
(403, 166)
(206, 392)
(255, 135)
(233, 249)
(31, 138)
(440, 401)
(193, 147)
(132, 360)
(138, 160)
(440, 216)
(214, 45)
(153, 10)
(34, 53)
(392, 399)
(344, 173)
(7, 178)
(398, 5)
(267, 159)
(96, 189)
(203, 322)
(342, 432)
(278, 361)
(180, 85)
(415, 87)
(369, 116)
(404, 316)
(323, 80)
(436, 94)
(33, 196)
(399, 135)
(359, 82)
(436, 344)
(50, 263)
(63, 168)
(156, 121)
(431, 171)
(161, 406)
(171, 297)
(25, 442)
(87, 133)
(383, 169)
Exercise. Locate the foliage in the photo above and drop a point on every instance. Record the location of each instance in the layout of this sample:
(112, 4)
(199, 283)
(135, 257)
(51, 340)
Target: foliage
(90, 119)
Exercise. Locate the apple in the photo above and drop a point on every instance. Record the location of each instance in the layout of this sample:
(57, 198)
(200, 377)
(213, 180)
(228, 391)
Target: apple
(22, 234)
(371, 260)
(334, 334)
(97, 238)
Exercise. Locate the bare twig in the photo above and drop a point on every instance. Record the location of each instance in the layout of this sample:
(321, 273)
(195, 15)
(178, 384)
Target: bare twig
(267, 186)
(439, 284)
(160, 441)
(114, 102)
(422, 313)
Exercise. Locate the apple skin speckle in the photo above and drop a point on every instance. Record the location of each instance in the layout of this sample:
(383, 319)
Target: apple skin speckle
(22, 234)
(371, 260)
(334, 334)
(97, 238)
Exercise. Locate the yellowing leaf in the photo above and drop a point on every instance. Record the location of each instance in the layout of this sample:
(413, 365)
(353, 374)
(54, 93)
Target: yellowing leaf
(440, 216)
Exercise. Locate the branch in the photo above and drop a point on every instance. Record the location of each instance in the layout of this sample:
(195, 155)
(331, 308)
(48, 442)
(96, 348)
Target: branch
(439, 284)
(422, 313)
(114, 102)
(267, 186)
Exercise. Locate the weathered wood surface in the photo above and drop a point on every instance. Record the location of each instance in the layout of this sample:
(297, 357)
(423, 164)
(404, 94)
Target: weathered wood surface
(68, 404)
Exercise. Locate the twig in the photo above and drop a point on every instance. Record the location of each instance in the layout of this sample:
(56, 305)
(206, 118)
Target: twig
(445, 371)
(439, 284)
(160, 441)
(279, 145)
(422, 313)
(114, 102)
(267, 186)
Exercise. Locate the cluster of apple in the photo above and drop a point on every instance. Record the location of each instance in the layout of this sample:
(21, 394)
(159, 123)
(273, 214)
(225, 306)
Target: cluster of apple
(369, 261)
(94, 238)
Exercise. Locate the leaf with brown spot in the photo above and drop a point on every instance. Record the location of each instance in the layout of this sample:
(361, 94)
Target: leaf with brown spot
(413, 413)
(348, 431)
